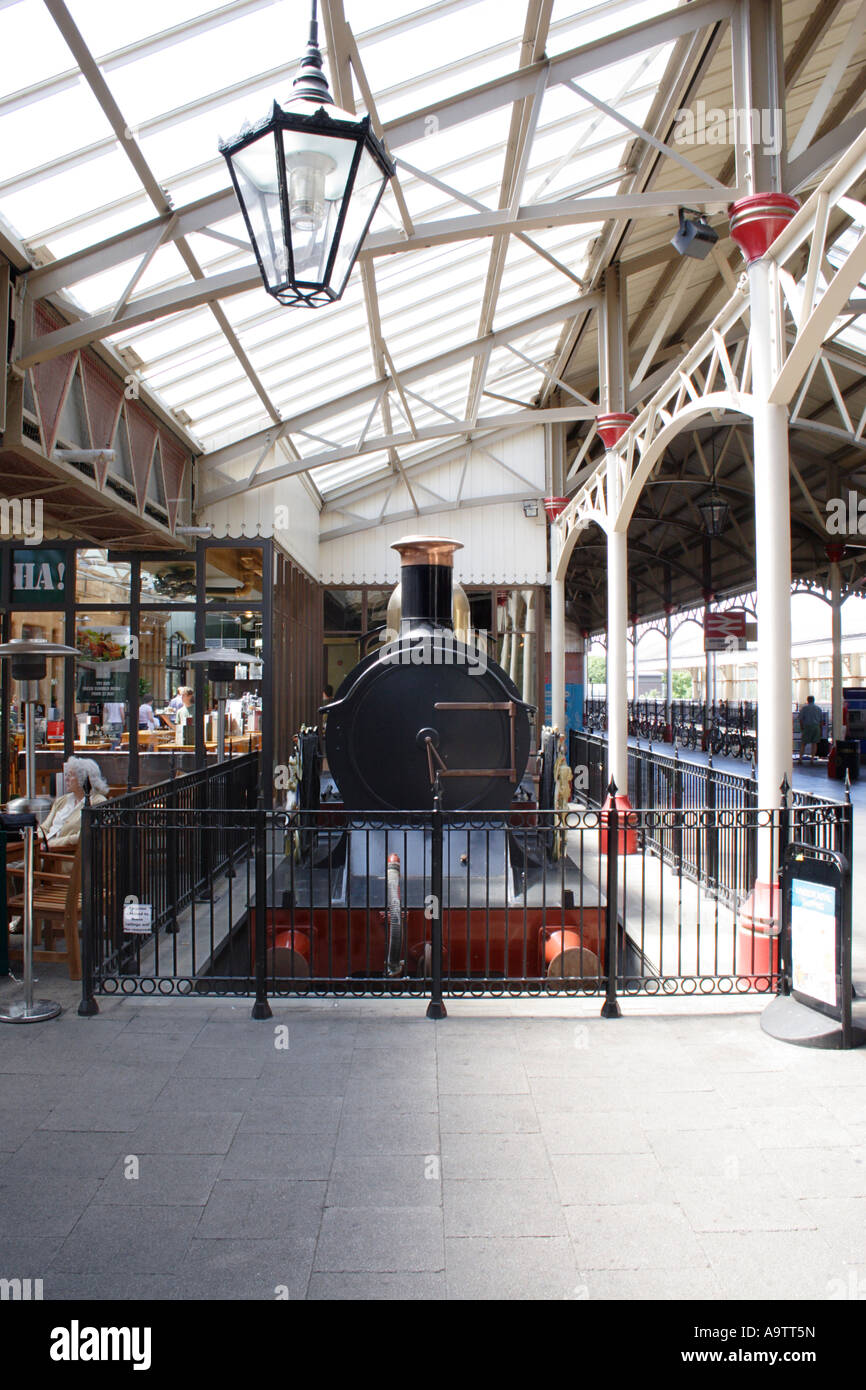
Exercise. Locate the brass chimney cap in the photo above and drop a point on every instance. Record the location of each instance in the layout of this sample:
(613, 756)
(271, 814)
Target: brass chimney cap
(427, 550)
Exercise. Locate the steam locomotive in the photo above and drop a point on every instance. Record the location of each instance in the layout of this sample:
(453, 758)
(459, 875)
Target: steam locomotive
(427, 719)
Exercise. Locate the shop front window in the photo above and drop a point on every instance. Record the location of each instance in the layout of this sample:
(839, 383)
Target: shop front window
(516, 616)
(241, 633)
(168, 581)
(233, 574)
(344, 610)
(377, 607)
(99, 580)
(481, 611)
(164, 641)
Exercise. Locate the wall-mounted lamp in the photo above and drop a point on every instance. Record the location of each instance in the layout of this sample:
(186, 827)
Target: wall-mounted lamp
(530, 507)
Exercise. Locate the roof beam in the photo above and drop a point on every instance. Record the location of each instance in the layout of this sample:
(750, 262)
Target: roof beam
(155, 306)
(384, 518)
(524, 121)
(209, 289)
(142, 48)
(691, 58)
(436, 457)
(578, 62)
(517, 420)
(824, 95)
(822, 152)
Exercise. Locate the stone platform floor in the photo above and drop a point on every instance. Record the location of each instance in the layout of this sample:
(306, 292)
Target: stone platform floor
(176, 1149)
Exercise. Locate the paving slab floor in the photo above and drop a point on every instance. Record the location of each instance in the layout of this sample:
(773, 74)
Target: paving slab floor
(352, 1149)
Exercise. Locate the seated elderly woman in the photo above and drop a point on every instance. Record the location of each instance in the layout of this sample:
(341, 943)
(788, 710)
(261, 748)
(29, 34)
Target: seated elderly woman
(62, 825)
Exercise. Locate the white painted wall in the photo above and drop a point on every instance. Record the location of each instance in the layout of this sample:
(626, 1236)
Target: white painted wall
(501, 545)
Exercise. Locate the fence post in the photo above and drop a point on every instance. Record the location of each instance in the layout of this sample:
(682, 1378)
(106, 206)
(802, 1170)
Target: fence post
(784, 935)
(677, 808)
(205, 884)
(610, 1008)
(712, 826)
(88, 1005)
(436, 1007)
(847, 991)
(847, 836)
(261, 1008)
(171, 862)
(751, 805)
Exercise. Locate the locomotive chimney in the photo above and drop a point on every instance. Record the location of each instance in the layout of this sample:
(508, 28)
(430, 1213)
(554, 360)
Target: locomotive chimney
(426, 580)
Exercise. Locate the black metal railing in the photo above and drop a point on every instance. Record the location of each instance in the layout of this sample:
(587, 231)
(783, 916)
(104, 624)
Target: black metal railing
(712, 842)
(662, 899)
(160, 847)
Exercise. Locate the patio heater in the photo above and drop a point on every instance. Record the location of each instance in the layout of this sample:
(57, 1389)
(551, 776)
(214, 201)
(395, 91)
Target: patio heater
(220, 664)
(28, 658)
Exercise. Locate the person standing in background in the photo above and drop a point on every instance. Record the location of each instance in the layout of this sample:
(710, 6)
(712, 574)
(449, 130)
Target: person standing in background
(183, 699)
(811, 721)
(114, 718)
(146, 717)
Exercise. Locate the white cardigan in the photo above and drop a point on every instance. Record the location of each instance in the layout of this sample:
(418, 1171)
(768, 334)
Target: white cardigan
(62, 825)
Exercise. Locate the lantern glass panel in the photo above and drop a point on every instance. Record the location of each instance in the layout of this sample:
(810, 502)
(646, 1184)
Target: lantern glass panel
(369, 182)
(256, 172)
(318, 173)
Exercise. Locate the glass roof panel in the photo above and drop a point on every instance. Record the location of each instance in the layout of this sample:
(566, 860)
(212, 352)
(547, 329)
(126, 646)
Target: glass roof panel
(28, 28)
(184, 72)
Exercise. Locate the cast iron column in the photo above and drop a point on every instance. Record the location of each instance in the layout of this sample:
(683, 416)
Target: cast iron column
(755, 223)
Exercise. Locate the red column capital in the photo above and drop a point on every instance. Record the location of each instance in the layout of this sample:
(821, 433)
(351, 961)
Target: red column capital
(555, 506)
(613, 426)
(757, 220)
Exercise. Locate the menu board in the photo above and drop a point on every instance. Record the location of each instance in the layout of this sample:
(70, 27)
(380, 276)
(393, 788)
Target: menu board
(814, 940)
(103, 664)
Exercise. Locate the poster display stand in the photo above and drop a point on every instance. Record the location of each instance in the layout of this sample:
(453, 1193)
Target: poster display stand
(816, 928)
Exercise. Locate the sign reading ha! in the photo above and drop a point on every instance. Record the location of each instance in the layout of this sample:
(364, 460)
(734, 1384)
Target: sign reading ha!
(39, 578)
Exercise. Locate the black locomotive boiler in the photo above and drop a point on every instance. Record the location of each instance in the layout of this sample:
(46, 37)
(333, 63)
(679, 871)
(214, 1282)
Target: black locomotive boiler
(427, 712)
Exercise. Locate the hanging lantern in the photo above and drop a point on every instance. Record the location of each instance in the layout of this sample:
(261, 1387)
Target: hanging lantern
(715, 512)
(308, 178)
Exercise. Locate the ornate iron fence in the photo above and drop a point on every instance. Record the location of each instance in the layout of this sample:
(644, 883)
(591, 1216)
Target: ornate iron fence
(161, 847)
(437, 904)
